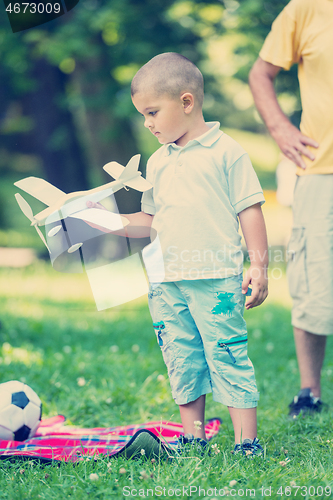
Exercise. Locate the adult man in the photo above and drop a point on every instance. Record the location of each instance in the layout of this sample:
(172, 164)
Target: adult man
(303, 34)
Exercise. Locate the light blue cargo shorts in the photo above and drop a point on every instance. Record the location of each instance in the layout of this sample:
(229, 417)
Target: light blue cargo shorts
(200, 328)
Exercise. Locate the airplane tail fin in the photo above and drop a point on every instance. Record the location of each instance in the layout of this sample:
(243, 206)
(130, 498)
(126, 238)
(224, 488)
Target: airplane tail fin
(26, 209)
(130, 175)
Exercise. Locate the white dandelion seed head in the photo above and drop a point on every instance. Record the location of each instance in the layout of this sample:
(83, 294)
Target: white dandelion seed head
(269, 347)
(81, 381)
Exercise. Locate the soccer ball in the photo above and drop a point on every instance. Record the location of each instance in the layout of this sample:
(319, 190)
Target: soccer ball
(20, 411)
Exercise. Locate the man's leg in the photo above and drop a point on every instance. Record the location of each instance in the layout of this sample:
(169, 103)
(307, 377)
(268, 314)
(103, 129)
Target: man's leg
(310, 350)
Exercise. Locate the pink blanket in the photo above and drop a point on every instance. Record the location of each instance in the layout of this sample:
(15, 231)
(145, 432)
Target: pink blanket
(56, 441)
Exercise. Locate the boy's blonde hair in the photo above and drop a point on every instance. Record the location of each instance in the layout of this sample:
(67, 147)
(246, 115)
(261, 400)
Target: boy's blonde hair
(169, 73)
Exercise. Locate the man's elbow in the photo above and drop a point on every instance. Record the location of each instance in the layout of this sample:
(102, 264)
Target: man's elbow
(256, 73)
(262, 71)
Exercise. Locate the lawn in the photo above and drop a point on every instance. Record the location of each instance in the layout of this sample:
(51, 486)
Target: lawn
(105, 369)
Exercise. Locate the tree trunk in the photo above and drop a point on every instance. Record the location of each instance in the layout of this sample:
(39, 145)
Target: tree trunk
(54, 137)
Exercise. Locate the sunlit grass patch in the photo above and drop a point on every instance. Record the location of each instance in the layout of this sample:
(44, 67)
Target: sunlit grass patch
(26, 356)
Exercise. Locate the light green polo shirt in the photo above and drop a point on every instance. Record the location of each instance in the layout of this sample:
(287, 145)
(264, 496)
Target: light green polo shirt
(198, 190)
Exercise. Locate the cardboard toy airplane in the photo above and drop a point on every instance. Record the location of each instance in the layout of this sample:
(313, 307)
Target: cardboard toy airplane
(62, 205)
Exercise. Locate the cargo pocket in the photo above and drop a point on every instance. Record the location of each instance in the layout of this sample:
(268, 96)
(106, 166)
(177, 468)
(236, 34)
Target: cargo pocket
(154, 292)
(159, 328)
(232, 362)
(226, 346)
(169, 350)
(297, 270)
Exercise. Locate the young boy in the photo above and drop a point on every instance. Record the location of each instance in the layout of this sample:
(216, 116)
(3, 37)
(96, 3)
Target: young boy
(203, 181)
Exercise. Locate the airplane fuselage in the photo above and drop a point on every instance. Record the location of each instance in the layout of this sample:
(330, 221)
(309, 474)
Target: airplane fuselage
(60, 206)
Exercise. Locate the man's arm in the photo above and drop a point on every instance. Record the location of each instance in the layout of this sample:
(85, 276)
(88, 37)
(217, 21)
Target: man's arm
(289, 138)
(254, 230)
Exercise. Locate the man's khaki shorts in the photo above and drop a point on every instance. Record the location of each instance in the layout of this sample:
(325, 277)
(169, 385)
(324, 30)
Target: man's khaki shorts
(310, 255)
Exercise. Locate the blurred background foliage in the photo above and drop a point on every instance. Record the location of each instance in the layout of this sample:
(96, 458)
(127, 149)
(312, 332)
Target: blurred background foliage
(66, 109)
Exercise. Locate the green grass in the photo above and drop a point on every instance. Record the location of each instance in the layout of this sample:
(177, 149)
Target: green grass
(52, 338)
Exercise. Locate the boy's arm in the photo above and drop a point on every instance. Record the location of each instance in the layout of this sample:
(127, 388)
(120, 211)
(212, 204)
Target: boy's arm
(139, 223)
(254, 230)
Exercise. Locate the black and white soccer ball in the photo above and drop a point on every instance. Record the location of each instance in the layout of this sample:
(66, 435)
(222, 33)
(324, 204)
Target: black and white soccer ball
(20, 411)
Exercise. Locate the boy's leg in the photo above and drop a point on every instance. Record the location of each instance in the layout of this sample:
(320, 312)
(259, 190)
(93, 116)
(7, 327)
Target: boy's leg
(194, 412)
(183, 353)
(217, 308)
(244, 421)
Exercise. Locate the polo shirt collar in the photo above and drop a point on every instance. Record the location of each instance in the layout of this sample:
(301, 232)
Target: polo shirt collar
(206, 140)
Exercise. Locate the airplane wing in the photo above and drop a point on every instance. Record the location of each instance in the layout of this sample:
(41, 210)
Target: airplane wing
(103, 218)
(129, 175)
(40, 189)
(26, 209)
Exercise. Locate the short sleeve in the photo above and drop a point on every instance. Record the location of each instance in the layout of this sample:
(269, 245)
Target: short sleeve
(244, 185)
(282, 45)
(147, 202)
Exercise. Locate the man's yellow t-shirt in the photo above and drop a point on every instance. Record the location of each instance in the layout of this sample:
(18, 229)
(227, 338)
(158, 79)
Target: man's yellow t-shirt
(303, 34)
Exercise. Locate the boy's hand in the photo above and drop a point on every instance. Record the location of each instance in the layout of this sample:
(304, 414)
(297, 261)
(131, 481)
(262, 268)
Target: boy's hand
(92, 204)
(257, 277)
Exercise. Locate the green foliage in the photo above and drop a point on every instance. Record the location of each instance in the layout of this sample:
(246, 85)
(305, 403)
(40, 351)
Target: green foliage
(251, 21)
(97, 48)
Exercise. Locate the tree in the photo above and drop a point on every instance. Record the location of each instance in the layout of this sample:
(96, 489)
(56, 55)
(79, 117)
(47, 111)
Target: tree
(73, 74)
(249, 22)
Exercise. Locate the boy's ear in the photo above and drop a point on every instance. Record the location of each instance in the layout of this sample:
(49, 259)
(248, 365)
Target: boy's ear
(187, 102)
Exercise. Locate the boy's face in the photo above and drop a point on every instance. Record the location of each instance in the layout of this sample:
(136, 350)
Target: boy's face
(164, 116)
